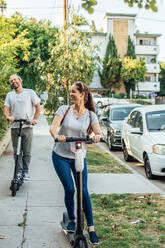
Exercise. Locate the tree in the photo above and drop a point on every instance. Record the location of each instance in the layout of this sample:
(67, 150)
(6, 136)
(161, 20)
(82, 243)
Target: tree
(110, 75)
(42, 38)
(9, 46)
(130, 49)
(162, 79)
(132, 72)
(93, 27)
(147, 4)
(73, 58)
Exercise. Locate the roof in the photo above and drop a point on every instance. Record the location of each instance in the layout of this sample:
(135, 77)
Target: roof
(98, 33)
(125, 105)
(119, 14)
(147, 34)
(150, 108)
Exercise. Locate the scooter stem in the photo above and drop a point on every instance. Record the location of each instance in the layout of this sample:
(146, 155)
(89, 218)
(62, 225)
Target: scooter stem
(79, 229)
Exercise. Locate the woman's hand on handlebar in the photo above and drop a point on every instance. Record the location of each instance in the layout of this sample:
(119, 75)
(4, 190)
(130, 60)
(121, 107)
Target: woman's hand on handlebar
(96, 138)
(61, 138)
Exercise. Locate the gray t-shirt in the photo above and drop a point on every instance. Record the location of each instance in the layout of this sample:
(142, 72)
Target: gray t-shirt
(22, 106)
(72, 126)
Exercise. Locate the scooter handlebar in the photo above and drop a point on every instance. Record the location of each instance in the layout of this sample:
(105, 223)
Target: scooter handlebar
(76, 139)
(23, 121)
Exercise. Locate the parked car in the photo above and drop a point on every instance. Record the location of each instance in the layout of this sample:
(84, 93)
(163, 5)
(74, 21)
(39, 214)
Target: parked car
(143, 138)
(98, 111)
(111, 123)
(99, 100)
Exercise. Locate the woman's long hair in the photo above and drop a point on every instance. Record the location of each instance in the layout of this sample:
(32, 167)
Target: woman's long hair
(88, 99)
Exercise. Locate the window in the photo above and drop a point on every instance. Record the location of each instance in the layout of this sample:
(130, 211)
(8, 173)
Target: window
(155, 120)
(106, 112)
(131, 118)
(139, 121)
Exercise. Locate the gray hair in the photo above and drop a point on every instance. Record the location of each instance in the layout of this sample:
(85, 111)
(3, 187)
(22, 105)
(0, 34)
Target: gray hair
(15, 75)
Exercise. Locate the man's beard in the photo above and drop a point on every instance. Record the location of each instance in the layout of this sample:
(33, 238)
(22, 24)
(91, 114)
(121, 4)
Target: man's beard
(14, 87)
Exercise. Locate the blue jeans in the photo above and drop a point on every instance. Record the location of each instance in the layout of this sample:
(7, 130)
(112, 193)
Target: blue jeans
(63, 167)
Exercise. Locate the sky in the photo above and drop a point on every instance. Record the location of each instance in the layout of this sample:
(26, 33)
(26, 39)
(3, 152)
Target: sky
(146, 20)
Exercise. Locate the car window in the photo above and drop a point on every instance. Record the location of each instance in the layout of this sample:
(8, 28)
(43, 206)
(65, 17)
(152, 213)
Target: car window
(106, 112)
(138, 121)
(155, 120)
(120, 113)
(97, 96)
(131, 118)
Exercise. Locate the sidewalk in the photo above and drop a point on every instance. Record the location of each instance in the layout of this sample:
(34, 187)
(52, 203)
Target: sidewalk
(39, 202)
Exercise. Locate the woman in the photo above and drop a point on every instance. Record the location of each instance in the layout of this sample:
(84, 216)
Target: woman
(75, 121)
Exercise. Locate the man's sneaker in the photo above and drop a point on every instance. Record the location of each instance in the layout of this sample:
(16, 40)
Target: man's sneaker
(93, 238)
(71, 227)
(26, 176)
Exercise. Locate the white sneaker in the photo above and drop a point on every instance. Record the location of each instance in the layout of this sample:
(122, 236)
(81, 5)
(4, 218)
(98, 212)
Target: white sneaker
(26, 176)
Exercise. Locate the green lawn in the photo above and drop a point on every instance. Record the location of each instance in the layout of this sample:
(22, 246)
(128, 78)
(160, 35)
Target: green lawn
(129, 221)
(99, 161)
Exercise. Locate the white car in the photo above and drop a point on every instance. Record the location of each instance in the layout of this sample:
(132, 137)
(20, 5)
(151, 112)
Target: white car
(143, 138)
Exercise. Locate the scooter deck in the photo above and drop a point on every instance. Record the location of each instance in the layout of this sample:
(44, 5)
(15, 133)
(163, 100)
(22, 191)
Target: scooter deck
(70, 235)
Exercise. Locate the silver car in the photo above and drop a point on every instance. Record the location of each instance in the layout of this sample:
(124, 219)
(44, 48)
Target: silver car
(111, 123)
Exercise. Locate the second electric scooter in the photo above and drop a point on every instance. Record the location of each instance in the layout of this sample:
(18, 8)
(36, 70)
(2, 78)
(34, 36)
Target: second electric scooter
(17, 180)
(77, 239)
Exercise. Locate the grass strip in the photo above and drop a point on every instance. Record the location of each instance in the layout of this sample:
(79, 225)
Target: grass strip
(129, 221)
(102, 162)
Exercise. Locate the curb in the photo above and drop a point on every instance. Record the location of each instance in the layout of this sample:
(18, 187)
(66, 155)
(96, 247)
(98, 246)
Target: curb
(160, 191)
(5, 141)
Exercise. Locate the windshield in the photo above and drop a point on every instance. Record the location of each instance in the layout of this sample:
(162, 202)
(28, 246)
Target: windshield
(97, 96)
(155, 121)
(118, 114)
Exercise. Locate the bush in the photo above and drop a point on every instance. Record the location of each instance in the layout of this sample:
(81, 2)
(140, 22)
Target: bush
(117, 96)
(139, 101)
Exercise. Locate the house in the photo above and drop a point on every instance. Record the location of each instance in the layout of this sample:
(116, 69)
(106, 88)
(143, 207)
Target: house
(120, 26)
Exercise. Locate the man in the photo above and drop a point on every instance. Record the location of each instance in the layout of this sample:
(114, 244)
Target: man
(22, 103)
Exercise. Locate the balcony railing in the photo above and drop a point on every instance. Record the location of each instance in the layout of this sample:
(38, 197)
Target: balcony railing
(153, 68)
(148, 87)
(142, 50)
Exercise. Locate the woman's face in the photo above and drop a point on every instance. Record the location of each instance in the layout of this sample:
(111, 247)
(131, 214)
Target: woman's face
(75, 95)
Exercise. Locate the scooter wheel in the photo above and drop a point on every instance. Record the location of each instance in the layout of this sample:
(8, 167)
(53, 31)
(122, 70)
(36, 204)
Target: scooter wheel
(14, 189)
(82, 244)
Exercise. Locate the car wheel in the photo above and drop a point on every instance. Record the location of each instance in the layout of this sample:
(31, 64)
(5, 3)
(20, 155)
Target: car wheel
(147, 168)
(127, 157)
(111, 147)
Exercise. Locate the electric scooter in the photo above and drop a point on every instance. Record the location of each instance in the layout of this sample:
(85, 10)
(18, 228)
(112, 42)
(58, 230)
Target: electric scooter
(18, 177)
(77, 239)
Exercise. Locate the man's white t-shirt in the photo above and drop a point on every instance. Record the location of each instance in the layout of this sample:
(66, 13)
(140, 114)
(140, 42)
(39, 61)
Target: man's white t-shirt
(22, 105)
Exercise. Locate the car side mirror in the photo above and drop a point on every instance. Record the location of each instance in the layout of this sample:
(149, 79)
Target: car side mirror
(136, 130)
(104, 118)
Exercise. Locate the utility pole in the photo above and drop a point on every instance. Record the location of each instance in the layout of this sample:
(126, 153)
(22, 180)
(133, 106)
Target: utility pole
(65, 12)
(65, 52)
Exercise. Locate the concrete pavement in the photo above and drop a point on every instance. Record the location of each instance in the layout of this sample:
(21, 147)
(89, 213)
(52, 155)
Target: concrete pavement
(32, 218)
